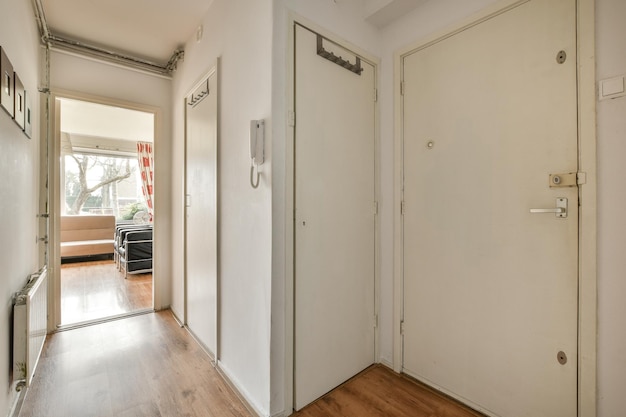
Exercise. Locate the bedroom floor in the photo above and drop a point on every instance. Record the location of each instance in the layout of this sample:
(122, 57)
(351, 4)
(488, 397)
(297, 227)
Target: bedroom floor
(96, 289)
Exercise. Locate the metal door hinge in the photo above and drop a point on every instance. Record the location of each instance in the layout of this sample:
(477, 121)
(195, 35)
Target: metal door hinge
(375, 95)
(291, 118)
(375, 208)
(401, 88)
(402, 327)
(402, 207)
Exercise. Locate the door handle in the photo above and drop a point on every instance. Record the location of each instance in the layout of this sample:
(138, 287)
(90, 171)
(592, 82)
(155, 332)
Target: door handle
(553, 210)
(559, 211)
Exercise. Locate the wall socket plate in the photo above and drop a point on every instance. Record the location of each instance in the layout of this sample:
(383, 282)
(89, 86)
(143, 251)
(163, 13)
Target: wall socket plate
(612, 88)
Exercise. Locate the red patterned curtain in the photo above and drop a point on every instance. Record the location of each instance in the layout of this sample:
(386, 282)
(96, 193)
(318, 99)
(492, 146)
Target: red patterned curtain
(146, 167)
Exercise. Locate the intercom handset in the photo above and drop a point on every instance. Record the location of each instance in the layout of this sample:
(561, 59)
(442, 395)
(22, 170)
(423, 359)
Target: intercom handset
(257, 148)
(257, 137)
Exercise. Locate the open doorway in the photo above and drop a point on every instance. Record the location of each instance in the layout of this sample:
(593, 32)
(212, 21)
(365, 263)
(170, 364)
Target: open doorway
(106, 214)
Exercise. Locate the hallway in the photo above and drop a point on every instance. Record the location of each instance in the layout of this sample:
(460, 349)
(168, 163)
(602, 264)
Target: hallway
(252, 44)
(148, 366)
(140, 366)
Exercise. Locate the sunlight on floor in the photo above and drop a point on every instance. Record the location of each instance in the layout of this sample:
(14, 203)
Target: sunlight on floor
(96, 289)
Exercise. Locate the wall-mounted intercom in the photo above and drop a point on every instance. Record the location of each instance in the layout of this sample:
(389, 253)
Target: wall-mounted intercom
(257, 137)
(257, 149)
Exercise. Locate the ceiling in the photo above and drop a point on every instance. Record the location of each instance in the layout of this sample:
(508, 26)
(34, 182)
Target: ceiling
(148, 33)
(93, 119)
(380, 13)
(147, 29)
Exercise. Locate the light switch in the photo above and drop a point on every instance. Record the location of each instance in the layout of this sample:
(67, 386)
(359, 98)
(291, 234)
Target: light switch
(612, 88)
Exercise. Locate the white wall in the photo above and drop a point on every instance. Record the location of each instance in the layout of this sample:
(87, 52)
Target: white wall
(611, 62)
(344, 19)
(278, 371)
(251, 221)
(94, 78)
(240, 33)
(19, 180)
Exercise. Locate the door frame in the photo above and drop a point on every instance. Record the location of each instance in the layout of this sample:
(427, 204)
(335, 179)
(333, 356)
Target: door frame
(587, 258)
(54, 203)
(214, 70)
(289, 229)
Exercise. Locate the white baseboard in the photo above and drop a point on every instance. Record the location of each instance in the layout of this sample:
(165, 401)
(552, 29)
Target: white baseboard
(386, 363)
(18, 400)
(243, 395)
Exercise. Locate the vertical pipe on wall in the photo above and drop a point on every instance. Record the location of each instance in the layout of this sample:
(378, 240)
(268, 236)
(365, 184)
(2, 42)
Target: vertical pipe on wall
(45, 197)
(44, 209)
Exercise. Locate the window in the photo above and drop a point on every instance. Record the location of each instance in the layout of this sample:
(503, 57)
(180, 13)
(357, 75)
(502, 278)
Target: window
(102, 184)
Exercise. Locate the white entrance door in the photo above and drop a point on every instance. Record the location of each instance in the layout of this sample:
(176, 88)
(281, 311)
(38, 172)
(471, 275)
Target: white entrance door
(490, 289)
(201, 213)
(335, 217)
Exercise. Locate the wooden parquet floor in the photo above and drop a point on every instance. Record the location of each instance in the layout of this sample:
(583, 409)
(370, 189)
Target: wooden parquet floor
(380, 392)
(148, 366)
(96, 289)
(140, 366)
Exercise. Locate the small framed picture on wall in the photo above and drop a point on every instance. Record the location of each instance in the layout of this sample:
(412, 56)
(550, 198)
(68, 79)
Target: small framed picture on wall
(28, 123)
(18, 101)
(6, 83)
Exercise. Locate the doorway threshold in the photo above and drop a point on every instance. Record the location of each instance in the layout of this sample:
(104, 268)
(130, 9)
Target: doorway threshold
(72, 326)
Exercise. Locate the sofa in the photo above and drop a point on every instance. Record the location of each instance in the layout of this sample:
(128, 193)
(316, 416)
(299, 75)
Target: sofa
(88, 235)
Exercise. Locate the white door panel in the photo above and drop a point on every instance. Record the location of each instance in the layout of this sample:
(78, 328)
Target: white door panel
(490, 290)
(335, 223)
(201, 215)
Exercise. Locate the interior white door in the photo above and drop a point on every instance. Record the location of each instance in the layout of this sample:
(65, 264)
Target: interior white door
(335, 219)
(201, 213)
(490, 289)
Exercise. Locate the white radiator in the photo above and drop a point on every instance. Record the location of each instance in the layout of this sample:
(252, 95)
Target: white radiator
(30, 324)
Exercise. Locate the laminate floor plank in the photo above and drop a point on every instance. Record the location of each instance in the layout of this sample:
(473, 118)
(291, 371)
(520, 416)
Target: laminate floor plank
(147, 366)
(380, 392)
(96, 289)
(141, 366)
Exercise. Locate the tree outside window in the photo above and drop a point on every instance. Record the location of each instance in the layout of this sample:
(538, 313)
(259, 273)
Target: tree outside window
(102, 184)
